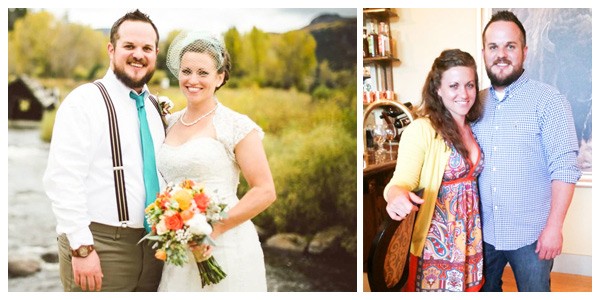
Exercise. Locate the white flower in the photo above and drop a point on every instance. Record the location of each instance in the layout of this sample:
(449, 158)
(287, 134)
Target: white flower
(161, 227)
(198, 225)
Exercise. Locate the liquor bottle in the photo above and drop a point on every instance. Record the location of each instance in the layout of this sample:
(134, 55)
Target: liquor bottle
(388, 41)
(383, 40)
(372, 39)
(365, 43)
(370, 143)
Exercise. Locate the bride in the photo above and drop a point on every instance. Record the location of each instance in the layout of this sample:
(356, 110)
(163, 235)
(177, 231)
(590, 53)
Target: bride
(210, 143)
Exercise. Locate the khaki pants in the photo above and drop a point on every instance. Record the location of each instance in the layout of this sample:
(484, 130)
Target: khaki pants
(127, 266)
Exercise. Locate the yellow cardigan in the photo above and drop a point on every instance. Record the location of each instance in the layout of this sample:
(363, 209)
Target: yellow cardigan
(422, 159)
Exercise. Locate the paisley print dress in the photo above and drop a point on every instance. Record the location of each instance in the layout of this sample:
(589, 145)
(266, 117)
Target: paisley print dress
(452, 259)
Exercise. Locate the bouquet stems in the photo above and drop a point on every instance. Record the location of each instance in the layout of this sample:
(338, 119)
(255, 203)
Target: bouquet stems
(210, 271)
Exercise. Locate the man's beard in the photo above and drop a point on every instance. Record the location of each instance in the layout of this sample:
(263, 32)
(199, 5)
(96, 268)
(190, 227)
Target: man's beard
(510, 78)
(130, 82)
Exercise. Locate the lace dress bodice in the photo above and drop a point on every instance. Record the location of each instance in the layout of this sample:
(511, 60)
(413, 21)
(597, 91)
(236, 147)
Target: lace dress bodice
(207, 160)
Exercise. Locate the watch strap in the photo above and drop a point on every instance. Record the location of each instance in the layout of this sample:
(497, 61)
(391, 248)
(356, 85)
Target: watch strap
(82, 251)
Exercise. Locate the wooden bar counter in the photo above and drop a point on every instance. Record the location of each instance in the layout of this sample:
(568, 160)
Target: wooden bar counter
(376, 175)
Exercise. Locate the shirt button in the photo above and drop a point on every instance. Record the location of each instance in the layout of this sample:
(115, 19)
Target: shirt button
(494, 190)
(495, 207)
(496, 127)
(495, 148)
(493, 168)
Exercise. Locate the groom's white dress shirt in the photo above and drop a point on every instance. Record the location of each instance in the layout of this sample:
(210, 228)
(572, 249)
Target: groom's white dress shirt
(79, 177)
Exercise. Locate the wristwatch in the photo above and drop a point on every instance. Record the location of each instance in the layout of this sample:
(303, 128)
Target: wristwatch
(82, 251)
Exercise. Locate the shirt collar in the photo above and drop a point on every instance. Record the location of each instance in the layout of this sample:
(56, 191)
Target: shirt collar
(513, 87)
(111, 77)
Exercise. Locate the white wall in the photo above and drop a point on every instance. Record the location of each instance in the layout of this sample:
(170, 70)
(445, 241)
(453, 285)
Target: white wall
(420, 35)
(576, 257)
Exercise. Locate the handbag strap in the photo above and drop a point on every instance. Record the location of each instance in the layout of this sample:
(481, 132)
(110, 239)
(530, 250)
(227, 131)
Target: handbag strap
(117, 158)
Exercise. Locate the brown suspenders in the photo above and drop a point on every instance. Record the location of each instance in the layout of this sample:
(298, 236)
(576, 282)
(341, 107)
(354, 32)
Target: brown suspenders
(115, 142)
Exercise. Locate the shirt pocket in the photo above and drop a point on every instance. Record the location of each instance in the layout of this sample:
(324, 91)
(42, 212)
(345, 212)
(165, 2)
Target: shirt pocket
(526, 136)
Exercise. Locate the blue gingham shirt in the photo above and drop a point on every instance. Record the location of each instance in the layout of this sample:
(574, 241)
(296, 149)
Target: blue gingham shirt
(528, 139)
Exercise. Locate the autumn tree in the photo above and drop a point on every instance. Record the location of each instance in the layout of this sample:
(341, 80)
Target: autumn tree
(255, 49)
(234, 45)
(296, 53)
(15, 14)
(42, 46)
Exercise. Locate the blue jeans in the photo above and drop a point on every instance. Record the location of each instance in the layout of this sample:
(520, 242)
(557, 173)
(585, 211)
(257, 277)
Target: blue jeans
(531, 273)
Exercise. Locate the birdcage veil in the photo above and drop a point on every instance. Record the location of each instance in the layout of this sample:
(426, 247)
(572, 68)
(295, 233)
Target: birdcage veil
(194, 41)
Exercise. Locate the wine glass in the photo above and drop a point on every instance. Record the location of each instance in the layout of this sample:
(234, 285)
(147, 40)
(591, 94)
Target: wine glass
(390, 135)
(378, 133)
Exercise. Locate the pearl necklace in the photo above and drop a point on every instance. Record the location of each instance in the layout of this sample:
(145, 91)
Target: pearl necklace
(199, 118)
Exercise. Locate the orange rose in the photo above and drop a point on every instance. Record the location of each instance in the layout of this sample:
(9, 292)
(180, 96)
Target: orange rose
(201, 201)
(174, 222)
(186, 214)
(160, 254)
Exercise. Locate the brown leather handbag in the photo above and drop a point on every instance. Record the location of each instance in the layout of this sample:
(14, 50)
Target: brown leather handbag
(387, 265)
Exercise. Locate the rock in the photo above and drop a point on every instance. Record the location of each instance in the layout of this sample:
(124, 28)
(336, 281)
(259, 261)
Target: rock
(349, 244)
(287, 241)
(50, 257)
(327, 240)
(23, 267)
(262, 233)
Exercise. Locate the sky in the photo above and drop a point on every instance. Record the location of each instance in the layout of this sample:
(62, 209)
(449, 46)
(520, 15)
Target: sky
(216, 20)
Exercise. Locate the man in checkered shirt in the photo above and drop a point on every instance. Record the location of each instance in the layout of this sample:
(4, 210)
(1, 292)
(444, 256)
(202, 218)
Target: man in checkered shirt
(528, 138)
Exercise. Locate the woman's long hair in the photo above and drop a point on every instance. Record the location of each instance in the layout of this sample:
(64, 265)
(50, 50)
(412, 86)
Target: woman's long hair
(433, 107)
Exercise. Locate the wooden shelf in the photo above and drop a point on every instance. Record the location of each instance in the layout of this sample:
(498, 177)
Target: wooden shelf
(381, 66)
(379, 59)
(380, 11)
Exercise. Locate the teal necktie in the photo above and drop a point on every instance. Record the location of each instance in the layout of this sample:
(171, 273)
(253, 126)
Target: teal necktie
(150, 177)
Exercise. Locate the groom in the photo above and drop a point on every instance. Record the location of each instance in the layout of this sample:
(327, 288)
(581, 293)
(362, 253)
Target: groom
(99, 230)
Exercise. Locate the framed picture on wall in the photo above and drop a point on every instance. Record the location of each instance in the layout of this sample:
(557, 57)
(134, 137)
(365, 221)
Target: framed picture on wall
(560, 54)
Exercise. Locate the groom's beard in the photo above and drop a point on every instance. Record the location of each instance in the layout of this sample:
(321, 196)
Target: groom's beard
(130, 82)
(497, 80)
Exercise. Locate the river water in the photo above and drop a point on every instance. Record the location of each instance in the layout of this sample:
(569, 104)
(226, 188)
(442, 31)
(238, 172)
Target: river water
(31, 232)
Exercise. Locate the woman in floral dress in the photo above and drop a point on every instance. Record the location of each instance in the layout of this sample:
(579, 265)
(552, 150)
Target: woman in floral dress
(439, 153)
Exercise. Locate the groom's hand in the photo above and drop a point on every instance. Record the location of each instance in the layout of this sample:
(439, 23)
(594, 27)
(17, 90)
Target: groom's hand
(87, 272)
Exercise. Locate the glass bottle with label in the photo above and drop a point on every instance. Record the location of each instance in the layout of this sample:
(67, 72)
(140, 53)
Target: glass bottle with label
(383, 40)
(365, 43)
(372, 38)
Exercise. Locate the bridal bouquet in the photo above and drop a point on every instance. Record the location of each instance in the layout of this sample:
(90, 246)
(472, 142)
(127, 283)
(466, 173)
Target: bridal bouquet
(181, 218)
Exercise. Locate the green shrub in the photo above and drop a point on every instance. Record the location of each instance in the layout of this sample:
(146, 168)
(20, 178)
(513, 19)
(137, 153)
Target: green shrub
(46, 125)
(315, 178)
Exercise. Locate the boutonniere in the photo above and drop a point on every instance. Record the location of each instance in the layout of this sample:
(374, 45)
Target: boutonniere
(165, 105)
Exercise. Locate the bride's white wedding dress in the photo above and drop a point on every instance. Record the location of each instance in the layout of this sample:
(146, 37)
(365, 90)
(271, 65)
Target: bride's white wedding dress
(212, 162)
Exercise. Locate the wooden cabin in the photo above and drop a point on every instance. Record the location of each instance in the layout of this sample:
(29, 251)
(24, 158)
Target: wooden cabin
(27, 100)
